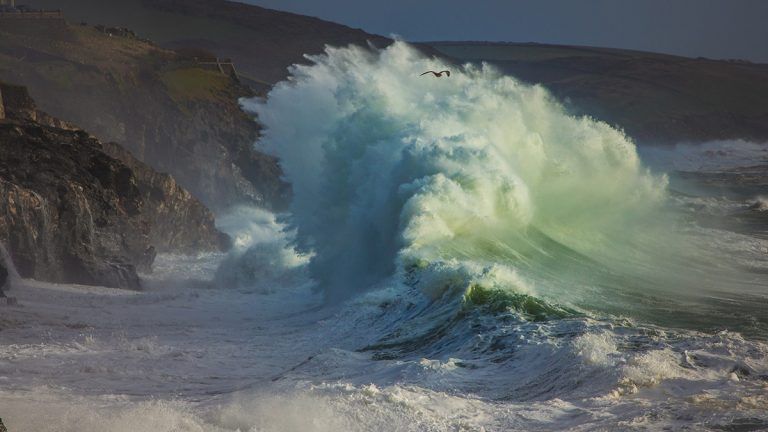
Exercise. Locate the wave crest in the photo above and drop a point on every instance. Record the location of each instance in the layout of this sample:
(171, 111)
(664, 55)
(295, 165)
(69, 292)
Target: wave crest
(390, 169)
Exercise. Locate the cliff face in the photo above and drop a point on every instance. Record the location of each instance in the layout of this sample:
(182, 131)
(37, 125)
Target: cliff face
(170, 112)
(165, 204)
(265, 41)
(71, 213)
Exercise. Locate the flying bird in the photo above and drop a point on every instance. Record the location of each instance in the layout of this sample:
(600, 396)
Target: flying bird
(437, 74)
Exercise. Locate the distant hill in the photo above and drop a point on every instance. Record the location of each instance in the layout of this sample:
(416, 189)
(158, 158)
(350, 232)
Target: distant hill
(655, 98)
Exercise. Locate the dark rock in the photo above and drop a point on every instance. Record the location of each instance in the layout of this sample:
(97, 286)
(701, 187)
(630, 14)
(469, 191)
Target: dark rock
(16, 104)
(76, 211)
(742, 371)
(178, 221)
(69, 212)
(760, 205)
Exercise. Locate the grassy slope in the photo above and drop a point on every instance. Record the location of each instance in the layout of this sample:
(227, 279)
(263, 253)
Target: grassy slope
(81, 74)
(262, 42)
(656, 98)
(194, 84)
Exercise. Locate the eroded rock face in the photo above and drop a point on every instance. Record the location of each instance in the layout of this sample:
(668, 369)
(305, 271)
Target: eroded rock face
(70, 212)
(17, 105)
(166, 204)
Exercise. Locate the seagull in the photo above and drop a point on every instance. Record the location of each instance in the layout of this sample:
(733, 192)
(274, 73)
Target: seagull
(437, 74)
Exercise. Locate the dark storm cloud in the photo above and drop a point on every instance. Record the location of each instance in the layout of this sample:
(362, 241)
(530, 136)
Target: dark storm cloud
(710, 28)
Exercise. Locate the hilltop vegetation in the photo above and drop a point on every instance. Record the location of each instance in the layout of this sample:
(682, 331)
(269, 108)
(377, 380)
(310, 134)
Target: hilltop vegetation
(190, 84)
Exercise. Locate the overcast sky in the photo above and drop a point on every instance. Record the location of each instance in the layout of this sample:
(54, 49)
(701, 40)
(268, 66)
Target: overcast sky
(710, 28)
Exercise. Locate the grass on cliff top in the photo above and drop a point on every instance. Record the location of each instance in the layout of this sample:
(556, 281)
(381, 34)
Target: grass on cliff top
(194, 84)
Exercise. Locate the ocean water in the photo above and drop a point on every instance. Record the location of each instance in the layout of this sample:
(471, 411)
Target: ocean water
(460, 255)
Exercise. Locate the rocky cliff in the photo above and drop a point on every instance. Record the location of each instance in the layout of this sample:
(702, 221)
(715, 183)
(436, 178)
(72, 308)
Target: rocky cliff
(655, 98)
(165, 204)
(71, 213)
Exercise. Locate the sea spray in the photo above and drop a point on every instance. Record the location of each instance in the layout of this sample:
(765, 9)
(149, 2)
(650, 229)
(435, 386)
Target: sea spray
(391, 169)
(481, 191)
(261, 258)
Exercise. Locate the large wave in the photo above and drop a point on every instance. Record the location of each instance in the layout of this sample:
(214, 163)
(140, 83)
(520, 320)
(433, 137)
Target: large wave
(473, 186)
(474, 212)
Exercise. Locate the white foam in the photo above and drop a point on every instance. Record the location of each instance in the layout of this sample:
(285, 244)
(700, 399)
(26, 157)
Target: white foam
(596, 348)
(262, 257)
(390, 168)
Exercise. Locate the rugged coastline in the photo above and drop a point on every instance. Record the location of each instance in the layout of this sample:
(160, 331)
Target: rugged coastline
(72, 213)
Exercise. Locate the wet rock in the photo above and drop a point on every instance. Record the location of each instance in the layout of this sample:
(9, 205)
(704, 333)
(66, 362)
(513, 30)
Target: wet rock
(760, 205)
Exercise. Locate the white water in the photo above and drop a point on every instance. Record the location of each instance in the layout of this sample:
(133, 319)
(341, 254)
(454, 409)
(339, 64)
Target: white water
(409, 192)
(392, 170)
(479, 182)
(191, 357)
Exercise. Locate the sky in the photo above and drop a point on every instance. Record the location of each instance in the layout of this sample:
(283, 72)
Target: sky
(729, 29)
